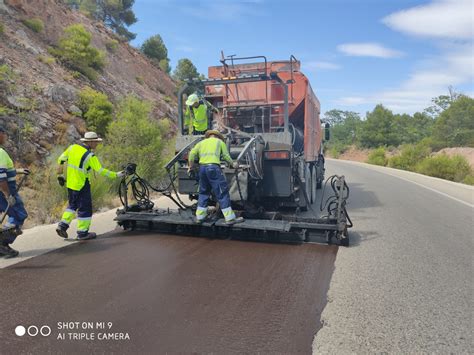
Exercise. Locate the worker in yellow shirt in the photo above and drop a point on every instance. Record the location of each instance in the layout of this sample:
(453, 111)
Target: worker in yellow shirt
(80, 160)
(10, 201)
(196, 119)
(209, 153)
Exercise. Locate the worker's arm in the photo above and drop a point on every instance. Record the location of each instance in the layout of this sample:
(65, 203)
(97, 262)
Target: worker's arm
(225, 153)
(193, 154)
(187, 120)
(3, 173)
(95, 165)
(211, 106)
(62, 159)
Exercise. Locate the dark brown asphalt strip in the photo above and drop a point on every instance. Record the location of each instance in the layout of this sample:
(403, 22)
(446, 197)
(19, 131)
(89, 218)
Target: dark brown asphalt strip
(168, 294)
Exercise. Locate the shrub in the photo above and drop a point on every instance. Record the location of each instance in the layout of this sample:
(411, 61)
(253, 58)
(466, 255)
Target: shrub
(112, 45)
(34, 24)
(75, 51)
(140, 80)
(336, 149)
(46, 60)
(455, 168)
(97, 110)
(409, 156)
(469, 180)
(2, 29)
(164, 65)
(137, 138)
(377, 157)
(167, 99)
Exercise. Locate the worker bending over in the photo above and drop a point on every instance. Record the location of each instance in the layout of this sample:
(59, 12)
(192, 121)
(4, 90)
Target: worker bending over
(80, 161)
(209, 152)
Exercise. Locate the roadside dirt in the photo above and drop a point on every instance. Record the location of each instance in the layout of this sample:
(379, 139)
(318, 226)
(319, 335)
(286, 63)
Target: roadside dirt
(466, 152)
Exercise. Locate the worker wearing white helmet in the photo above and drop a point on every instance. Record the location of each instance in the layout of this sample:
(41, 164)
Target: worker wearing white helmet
(195, 118)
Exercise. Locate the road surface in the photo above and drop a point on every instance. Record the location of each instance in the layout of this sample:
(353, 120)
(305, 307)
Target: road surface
(404, 286)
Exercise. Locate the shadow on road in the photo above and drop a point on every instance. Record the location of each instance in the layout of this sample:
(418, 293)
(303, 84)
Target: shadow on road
(357, 237)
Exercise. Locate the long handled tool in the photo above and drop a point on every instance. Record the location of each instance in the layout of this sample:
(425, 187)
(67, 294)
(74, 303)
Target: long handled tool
(8, 205)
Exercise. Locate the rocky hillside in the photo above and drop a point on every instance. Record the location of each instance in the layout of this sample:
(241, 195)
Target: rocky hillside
(38, 94)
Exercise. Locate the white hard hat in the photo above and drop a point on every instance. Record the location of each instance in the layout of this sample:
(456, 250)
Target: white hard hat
(192, 99)
(91, 137)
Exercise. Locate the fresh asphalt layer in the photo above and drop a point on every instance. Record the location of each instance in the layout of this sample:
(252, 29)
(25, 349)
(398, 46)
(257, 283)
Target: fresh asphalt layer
(403, 286)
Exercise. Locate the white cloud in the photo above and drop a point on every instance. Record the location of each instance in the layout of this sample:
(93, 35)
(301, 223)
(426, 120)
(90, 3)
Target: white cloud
(441, 19)
(316, 65)
(415, 93)
(368, 50)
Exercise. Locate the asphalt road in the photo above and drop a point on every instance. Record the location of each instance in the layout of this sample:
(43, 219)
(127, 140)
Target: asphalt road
(404, 285)
(170, 294)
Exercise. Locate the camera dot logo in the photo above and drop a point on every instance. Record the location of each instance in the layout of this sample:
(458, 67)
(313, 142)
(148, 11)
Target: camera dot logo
(20, 330)
(33, 330)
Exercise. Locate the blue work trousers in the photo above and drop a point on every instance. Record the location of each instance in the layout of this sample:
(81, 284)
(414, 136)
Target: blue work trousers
(212, 179)
(16, 213)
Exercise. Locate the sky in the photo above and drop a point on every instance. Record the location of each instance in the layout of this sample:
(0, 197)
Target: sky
(356, 53)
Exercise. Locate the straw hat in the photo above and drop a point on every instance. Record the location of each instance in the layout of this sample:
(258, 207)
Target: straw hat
(91, 137)
(213, 132)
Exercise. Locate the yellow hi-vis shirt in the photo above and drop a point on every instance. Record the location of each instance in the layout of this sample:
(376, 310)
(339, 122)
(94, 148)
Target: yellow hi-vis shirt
(80, 161)
(210, 151)
(197, 120)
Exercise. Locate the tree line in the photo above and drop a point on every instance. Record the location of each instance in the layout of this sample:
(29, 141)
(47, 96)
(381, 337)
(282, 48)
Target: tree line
(448, 122)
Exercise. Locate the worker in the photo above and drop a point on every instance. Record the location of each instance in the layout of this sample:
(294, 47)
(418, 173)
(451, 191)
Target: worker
(209, 153)
(10, 201)
(195, 118)
(80, 160)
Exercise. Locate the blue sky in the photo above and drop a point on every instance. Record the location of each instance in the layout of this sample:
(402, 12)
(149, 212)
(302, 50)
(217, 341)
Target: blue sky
(356, 53)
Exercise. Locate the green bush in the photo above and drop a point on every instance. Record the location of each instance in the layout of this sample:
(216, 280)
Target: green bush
(469, 180)
(377, 157)
(336, 148)
(34, 24)
(455, 168)
(46, 60)
(164, 65)
(112, 45)
(135, 137)
(409, 156)
(75, 51)
(97, 110)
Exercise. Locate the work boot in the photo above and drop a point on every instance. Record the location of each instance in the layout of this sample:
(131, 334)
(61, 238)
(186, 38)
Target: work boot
(62, 232)
(234, 221)
(86, 236)
(8, 252)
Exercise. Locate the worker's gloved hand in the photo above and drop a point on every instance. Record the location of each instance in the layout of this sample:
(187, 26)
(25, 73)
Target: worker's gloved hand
(235, 165)
(61, 180)
(11, 200)
(23, 171)
(121, 174)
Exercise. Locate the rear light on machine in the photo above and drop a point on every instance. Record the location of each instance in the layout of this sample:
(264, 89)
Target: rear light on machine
(277, 155)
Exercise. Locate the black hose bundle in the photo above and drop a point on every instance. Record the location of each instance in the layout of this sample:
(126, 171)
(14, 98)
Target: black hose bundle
(331, 203)
(141, 190)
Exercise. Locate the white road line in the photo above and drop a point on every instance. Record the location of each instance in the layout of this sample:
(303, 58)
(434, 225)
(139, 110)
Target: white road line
(413, 182)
